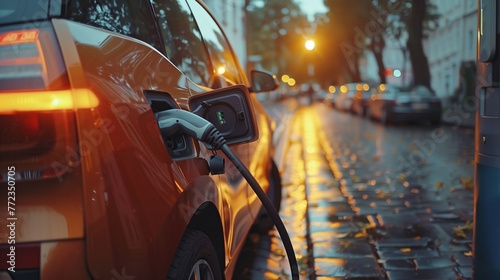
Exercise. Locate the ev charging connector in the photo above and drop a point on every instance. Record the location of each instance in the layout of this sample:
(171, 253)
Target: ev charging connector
(175, 121)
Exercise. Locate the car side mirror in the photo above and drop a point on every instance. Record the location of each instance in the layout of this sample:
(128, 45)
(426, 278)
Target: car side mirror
(262, 81)
(229, 109)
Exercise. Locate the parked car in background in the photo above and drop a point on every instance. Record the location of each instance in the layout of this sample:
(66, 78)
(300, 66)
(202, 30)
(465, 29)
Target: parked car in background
(331, 95)
(343, 101)
(360, 100)
(391, 103)
(311, 92)
(348, 93)
(95, 190)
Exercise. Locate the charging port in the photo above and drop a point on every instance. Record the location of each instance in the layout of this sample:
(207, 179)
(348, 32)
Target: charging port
(179, 146)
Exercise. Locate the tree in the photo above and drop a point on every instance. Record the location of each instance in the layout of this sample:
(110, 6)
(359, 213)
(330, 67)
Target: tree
(274, 31)
(366, 24)
(345, 32)
(415, 19)
(419, 21)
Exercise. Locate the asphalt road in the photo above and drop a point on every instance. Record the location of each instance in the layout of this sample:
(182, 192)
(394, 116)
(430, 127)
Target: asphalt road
(366, 201)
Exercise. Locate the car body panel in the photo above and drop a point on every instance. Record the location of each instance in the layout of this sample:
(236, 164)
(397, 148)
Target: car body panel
(350, 94)
(126, 167)
(123, 204)
(400, 105)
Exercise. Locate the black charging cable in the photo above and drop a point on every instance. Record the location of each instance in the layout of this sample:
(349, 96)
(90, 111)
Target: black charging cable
(175, 120)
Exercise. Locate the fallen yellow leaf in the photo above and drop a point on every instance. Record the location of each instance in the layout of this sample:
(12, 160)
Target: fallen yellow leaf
(459, 232)
(360, 235)
(468, 183)
(382, 195)
(405, 250)
(401, 177)
(439, 185)
(468, 254)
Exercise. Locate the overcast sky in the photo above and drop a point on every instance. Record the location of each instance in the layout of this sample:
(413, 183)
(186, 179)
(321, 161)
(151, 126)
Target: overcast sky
(311, 7)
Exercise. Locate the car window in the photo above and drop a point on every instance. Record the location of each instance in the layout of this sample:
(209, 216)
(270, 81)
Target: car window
(422, 91)
(132, 18)
(218, 47)
(23, 10)
(182, 38)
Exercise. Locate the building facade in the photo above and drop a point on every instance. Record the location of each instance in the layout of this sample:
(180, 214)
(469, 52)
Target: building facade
(230, 14)
(450, 50)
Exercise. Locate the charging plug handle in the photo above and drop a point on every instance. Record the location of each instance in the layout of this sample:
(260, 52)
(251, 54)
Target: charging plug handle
(179, 121)
(176, 120)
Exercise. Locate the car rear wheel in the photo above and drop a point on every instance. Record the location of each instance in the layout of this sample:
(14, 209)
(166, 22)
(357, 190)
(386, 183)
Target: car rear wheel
(264, 222)
(196, 258)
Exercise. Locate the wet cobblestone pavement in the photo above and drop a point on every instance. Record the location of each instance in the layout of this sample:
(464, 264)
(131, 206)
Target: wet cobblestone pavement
(362, 201)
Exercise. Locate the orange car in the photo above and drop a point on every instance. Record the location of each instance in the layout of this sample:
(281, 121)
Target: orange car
(89, 187)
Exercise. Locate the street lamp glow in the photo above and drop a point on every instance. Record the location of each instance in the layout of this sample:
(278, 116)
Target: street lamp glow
(285, 78)
(310, 44)
(221, 70)
(397, 73)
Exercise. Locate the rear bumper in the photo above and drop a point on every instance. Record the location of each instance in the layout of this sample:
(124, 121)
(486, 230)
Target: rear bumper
(399, 115)
(46, 260)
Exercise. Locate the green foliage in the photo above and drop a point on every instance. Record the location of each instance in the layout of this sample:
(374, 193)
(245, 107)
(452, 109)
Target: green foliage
(275, 28)
(278, 29)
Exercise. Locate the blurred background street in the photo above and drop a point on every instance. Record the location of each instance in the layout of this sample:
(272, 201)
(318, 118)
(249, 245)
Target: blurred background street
(366, 201)
(375, 133)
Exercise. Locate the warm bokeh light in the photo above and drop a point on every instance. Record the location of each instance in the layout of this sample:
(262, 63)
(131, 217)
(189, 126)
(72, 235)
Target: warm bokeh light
(291, 82)
(285, 78)
(221, 70)
(366, 87)
(332, 89)
(343, 89)
(310, 44)
(382, 87)
(359, 87)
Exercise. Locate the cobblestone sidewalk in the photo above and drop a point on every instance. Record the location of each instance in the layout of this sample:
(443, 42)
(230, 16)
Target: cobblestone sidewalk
(337, 229)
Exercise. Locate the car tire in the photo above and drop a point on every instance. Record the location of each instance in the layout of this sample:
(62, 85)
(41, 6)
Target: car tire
(264, 223)
(196, 255)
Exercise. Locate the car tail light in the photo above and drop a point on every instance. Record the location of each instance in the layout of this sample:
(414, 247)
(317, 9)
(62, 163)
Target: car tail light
(37, 104)
(26, 256)
(26, 261)
(26, 62)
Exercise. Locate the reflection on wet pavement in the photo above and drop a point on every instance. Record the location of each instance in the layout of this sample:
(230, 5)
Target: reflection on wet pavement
(366, 201)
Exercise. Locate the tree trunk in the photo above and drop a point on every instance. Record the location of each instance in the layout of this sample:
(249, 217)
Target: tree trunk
(354, 72)
(419, 63)
(353, 66)
(377, 47)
